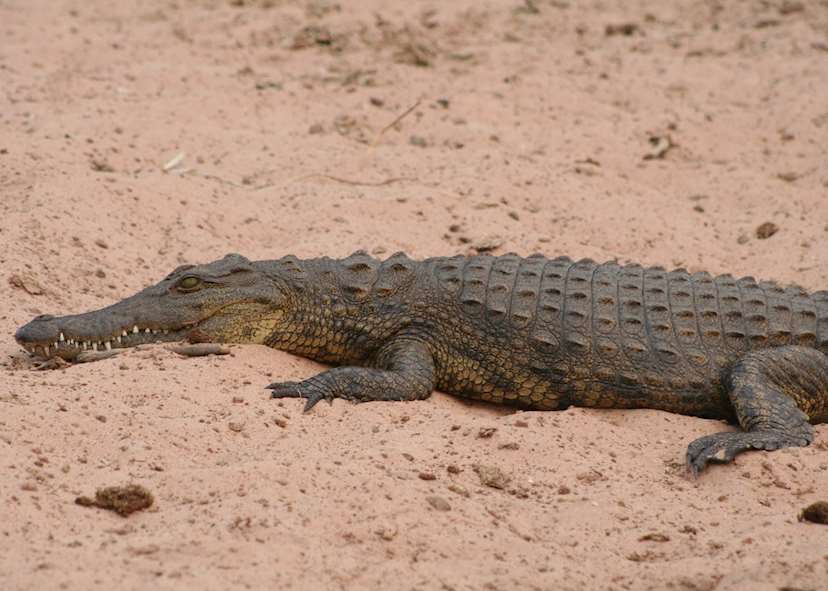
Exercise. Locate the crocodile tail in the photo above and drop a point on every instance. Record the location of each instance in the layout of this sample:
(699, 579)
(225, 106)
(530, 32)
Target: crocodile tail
(821, 299)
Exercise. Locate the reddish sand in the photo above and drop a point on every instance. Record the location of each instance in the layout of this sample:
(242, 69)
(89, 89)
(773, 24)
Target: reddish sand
(135, 139)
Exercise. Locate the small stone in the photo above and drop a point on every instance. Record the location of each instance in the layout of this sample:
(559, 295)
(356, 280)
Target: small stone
(266, 84)
(417, 140)
(654, 537)
(100, 243)
(315, 129)
(387, 533)
(438, 503)
(452, 469)
(492, 476)
(488, 243)
(235, 426)
(659, 146)
(766, 230)
(486, 432)
(144, 550)
(101, 166)
(459, 489)
(815, 513)
(625, 29)
(791, 7)
(427, 476)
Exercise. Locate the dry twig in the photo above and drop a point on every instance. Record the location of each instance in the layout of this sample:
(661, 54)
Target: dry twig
(399, 118)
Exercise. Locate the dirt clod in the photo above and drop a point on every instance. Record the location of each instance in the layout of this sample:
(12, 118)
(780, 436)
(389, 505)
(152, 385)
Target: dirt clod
(26, 283)
(492, 476)
(625, 29)
(123, 500)
(439, 503)
(310, 36)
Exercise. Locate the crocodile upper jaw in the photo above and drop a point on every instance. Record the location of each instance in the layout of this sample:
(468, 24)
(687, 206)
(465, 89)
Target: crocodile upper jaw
(58, 341)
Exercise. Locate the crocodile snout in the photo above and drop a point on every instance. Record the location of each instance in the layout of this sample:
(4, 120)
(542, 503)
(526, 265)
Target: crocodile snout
(41, 329)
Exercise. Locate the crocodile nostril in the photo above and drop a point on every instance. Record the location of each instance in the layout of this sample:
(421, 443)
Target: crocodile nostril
(44, 317)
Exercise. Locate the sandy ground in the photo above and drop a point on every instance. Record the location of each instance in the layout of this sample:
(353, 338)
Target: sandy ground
(134, 139)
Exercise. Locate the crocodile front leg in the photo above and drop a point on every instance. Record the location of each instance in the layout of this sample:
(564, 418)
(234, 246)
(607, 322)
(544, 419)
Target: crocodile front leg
(403, 370)
(774, 393)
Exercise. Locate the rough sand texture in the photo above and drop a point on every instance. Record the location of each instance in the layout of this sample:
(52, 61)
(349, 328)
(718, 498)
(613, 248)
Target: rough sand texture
(135, 139)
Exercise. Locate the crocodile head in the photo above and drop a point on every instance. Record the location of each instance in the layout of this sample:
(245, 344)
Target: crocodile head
(229, 300)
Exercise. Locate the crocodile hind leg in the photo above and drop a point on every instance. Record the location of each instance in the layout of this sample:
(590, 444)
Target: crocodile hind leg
(403, 370)
(774, 392)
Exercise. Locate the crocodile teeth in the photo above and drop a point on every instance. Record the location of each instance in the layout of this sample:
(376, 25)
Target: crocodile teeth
(165, 331)
(95, 346)
(118, 338)
(147, 331)
(62, 338)
(46, 350)
(135, 329)
(108, 345)
(123, 333)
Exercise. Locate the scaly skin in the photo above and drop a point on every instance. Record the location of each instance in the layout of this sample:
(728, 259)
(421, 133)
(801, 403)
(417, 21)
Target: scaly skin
(533, 332)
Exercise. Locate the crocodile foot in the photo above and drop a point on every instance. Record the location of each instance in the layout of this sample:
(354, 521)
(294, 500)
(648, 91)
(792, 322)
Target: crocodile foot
(298, 390)
(723, 447)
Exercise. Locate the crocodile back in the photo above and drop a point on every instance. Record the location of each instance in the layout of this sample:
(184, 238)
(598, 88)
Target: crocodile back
(626, 326)
(674, 314)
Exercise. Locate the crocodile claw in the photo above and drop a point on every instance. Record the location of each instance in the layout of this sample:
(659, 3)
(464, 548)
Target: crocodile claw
(722, 447)
(296, 390)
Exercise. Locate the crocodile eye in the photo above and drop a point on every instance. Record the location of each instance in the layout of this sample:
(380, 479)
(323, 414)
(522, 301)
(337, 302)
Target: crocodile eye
(188, 283)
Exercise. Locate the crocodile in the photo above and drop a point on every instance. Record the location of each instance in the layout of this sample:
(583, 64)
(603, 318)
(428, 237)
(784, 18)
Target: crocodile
(535, 332)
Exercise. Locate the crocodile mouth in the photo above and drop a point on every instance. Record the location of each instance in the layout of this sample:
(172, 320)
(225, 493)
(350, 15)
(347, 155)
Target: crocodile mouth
(69, 346)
